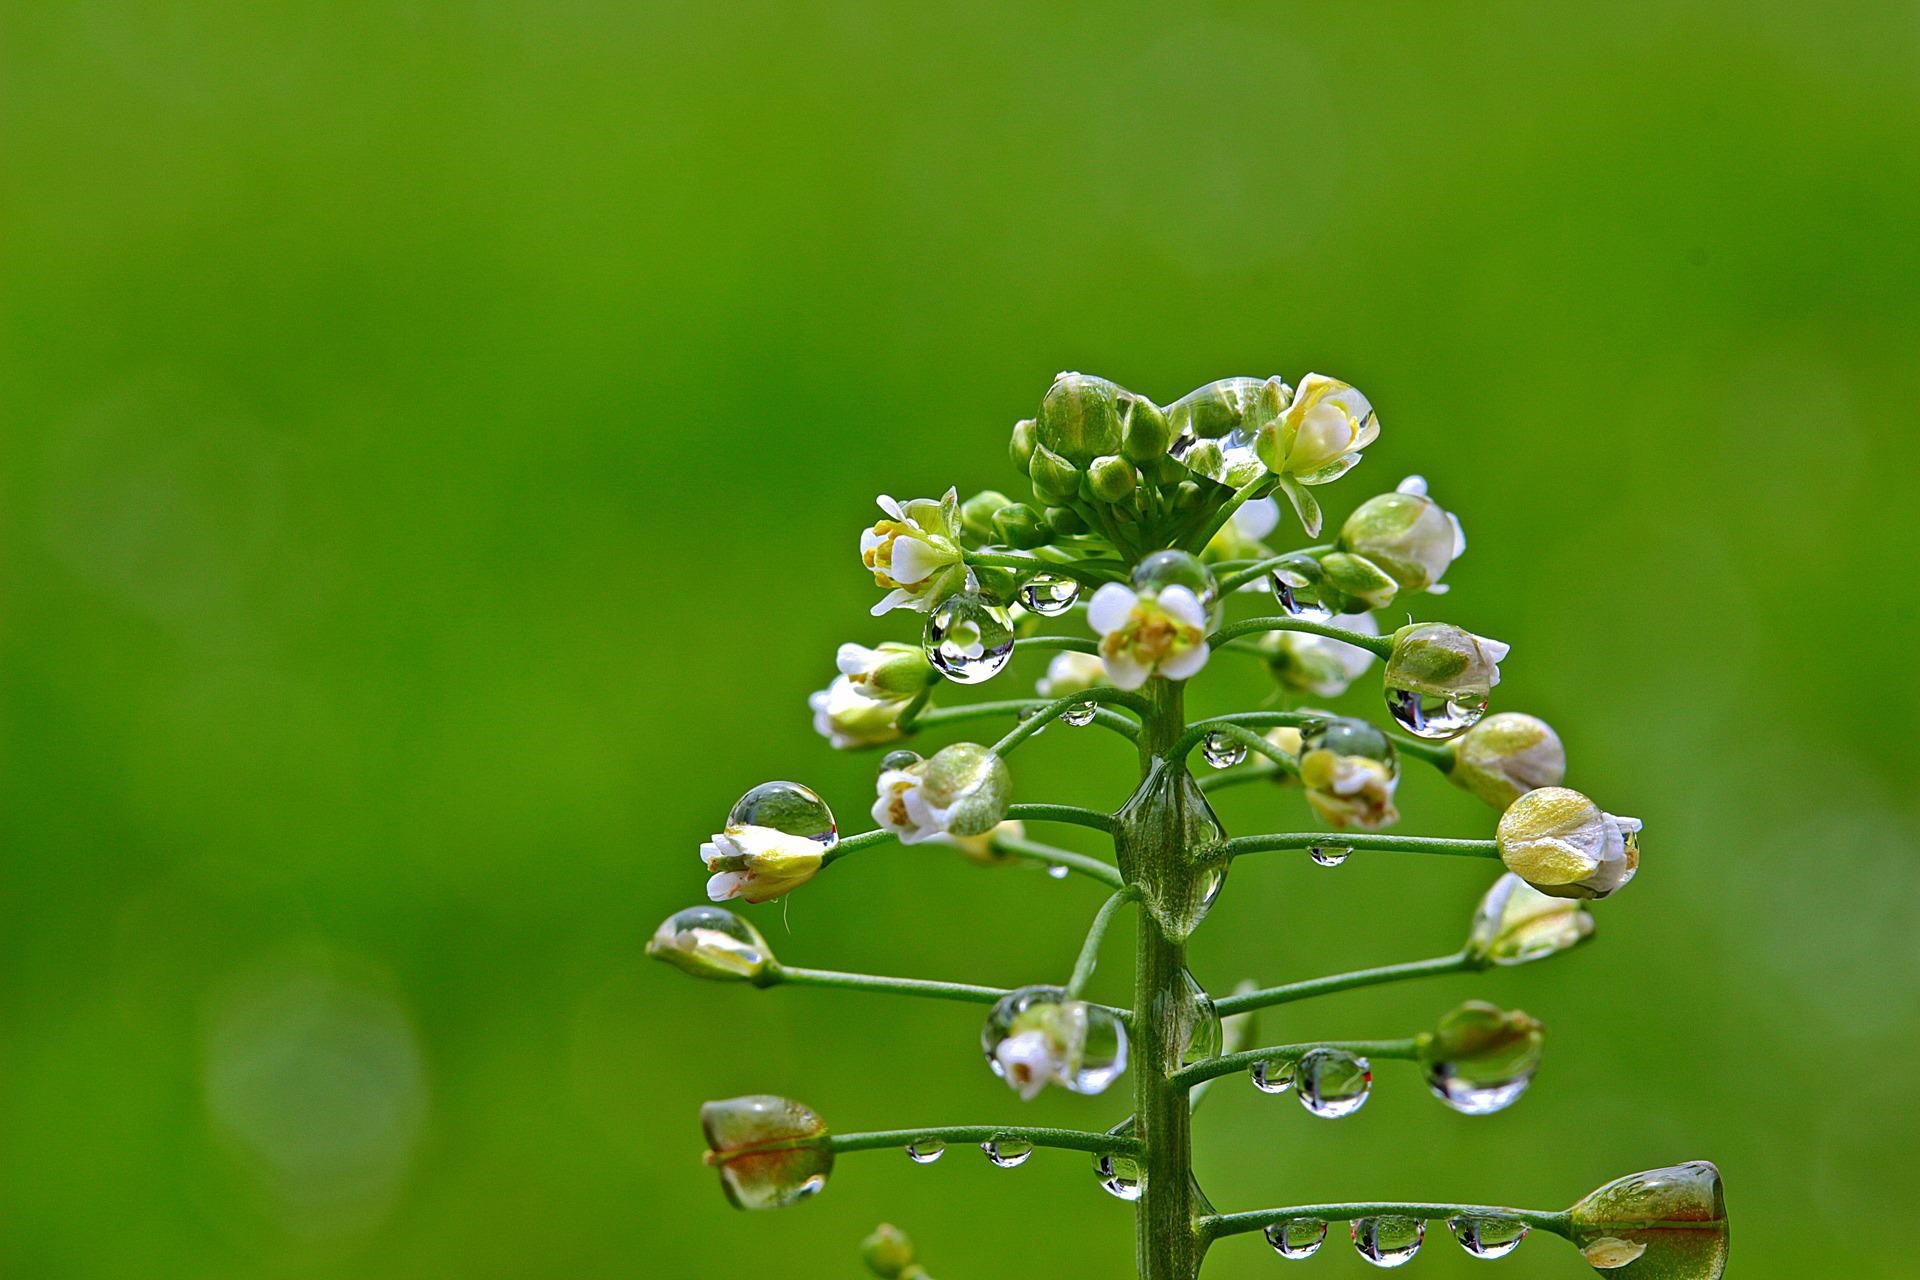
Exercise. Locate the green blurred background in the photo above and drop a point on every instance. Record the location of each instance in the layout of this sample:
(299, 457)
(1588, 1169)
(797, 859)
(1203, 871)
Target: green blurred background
(437, 439)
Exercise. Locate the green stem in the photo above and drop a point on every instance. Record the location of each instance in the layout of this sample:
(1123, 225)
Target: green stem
(1241, 576)
(1256, 488)
(1236, 726)
(1264, 771)
(1209, 1068)
(1393, 844)
(1438, 754)
(1079, 644)
(1034, 851)
(1379, 646)
(1230, 1224)
(941, 716)
(1069, 813)
(1460, 962)
(1090, 949)
(963, 991)
(1063, 1139)
(1093, 571)
(1045, 713)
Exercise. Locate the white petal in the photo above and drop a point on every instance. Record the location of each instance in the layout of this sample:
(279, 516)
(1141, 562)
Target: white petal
(895, 599)
(1494, 649)
(914, 559)
(1257, 519)
(1124, 673)
(1184, 606)
(853, 658)
(1185, 665)
(1110, 607)
(1416, 485)
(727, 884)
(891, 507)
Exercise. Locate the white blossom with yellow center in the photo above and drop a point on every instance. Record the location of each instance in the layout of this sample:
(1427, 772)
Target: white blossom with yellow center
(1142, 636)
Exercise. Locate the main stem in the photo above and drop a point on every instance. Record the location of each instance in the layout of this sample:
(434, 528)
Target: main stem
(1167, 1242)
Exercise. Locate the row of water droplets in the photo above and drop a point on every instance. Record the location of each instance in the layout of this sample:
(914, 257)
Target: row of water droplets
(1332, 1083)
(1118, 1175)
(1392, 1240)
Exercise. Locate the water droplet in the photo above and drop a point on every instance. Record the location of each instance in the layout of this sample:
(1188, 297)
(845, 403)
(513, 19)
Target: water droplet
(1215, 427)
(1058, 871)
(1200, 1031)
(1329, 855)
(1390, 1241)
(1349, 736)
(1430, 716)
(1297, 1238)
(1475, 1097)
(1332, 1082)
(1297, 599)
(1275, 1075)
(968, 638)
(1037, 1036)
(1079, 714)
(1487, 1236)
(788, 807)
(1119, 1175)
(1165, 569)
(1007, 1153)
(1223, 751)
(926, 1151)
(1049, 594)
(902, 759)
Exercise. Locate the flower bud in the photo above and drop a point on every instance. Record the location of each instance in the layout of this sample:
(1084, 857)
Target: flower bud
(1064, 521)
(1566, 846)
(980, 849)
(1516, 923)
(770, 1151)
(1406, 534)
(1145, 432)
(1319, 435)
(1664, 1224)
(1020, 447)
(887, 1252)
(1350, 770)
(1080, 418)
(1019, 525)
(977, 512)
(1071, 672)
(914, 554)
(757, 864)
(1440, 660)
(1358, 579)
(1507, 755)
(961, 790)
(849, 719)
(709, 942)
(1319, 665)
(1037, 1036)
(1055, 480)
(1111, 479)
(1480, 1051)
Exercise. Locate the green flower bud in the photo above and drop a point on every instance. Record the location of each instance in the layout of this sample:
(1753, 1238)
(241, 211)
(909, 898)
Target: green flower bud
(1507, 755)
(977, 512)
(1664, 1224)
(1020, 448)
(1359, 579)
(1484, 1045)
(1019, 525)
(961, 790)
(887, 1252)
(1318, 665)
(1566, 846)
(1145, 431)
(1516, 923)
(1054, 478)
(1440, 660)
(888, 670)
(1065, 521)
(709, 942)
(1080, 418)
(1164, 470)
(1406, 534)
(1111, 479)
(767, 1149)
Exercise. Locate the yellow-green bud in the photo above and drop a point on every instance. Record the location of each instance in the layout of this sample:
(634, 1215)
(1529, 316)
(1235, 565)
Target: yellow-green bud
(710, 942)
(1507, 755)
(1406, 534)
(1484, 1042)
(1444, 661)
(763, 1147)
(1566, 846)
(1359, 579)
(962, 790)
(1065, 521)
(977, 512)
(1111, 479)
(890, 669)
(1664, 1224)
(887, 1252)
(1019, 525)
(1054, 478)
(1080, 417)
(1516, 923)
(1145, 431)
(1020, 448)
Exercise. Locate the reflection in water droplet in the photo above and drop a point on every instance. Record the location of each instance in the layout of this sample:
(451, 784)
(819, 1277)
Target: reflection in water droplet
(901, 759)
(1390, 1241)
(1119, 1175)
(1297, 600)
(926, 1151)
(968, 638)
(1080, 713)
(788, 807)
(1223, 751)
(1200, 1030)
(1049, 594)
(1297, 1238)
(1007, 1153)
(1036, 1036)
(1332, 1082)
(1163, 569)
(1487, 1236)
(1428, 716)
(1473, 1097)
(1329, 855)
(1058, 871)
(1275, 1075)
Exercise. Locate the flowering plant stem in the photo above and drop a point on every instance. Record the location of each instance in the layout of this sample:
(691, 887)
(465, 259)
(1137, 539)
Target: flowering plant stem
(1459, 962)
(1090, 949)
(1064, 1139)
(1214, 1226)
(1392, 844)
(1379, 646)
(1228, 1064)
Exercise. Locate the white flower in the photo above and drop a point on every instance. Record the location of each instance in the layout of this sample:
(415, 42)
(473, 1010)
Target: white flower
(1030, 1061)
(1320, 665)
(1141, 636)
(1566, 846)
(1070, 672)
(1319, 435)
(848, 718)
(960, 790)
(914, 553)
(758, 864)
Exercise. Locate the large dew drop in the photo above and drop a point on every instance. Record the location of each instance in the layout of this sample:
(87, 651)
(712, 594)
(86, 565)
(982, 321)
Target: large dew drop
(1007, 1153)
(787, 807)
(968, 638)
(1332, 1082)
(1487, 1236)
(1390, 1241)
(926, 1150)
(1475, 1097)
(1049, 594)
(1275, 1075)
(1426, 715)
(1297, 1238)
(1164, 569)
(1037, 1036)
(1119, 1176)
(1223, 750)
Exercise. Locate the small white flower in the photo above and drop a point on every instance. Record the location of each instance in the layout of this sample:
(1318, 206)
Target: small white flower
(914, 554)
(960, 790)
(1320, 665)
(889, 670)
(1071, 672)
(758, 864)
(848, 718)
(1141, 636)
(1566, 846)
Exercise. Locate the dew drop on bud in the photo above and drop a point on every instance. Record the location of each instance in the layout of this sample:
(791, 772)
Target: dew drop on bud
(1049, 594)
(1223, 751)
(1329, 855)
(1297, 599)
(1079, 714)
(969, 639)
(902, 759)
(926, 1151)
(1038, 1035)
(1007, 1153)
(1487, 1236)
(1275, 1075)
(1390, 1241)
(786, 807)
(1119, 1176)
(1332, 1082)
(1164, 569)
(1475, 1097)
(1426, 715)
(1297, 1238)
